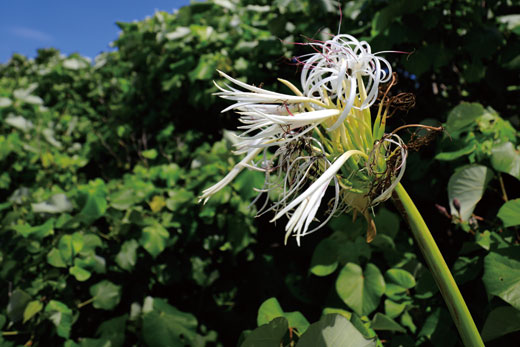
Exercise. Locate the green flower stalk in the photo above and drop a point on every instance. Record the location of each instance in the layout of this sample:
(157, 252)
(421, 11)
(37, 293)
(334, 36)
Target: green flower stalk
(440, 271)
(323, 136)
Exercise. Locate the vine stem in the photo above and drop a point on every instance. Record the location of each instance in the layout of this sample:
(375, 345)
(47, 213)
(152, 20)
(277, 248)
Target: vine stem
(84, 303)
(440, 271)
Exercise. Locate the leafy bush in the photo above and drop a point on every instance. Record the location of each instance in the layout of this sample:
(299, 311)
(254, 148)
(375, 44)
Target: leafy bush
(103, 241)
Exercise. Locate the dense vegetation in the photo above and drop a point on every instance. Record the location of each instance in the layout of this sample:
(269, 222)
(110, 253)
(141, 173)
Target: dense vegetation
(103, 242)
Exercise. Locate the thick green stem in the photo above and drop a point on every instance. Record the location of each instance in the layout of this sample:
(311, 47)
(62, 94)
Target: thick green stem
(440, 271)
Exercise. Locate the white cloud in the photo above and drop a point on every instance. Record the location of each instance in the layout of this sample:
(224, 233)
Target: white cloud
(28, 33)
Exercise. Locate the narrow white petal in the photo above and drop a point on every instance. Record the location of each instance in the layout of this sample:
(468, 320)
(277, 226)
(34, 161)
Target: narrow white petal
(207, 193)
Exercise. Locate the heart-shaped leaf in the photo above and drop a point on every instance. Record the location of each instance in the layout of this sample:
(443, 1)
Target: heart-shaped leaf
(106, 295)
(468, 185)
(360, 291)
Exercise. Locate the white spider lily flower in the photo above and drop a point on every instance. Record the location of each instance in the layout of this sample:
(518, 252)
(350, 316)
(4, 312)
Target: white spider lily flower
(329, 121)
(337, 70)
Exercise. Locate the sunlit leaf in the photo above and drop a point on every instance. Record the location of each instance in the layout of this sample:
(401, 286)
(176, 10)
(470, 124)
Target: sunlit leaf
(383, 322)
(32, 309)
(271, 309)
(505, 158)
(324, 260)
(127, 256)
(360, 290)
(61, 316)
(106, 295)
(153, 239)
(468, 185)
(334, 330)
(509, 213)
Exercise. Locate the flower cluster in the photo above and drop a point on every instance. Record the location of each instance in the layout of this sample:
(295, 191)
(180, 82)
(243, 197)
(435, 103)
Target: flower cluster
(321, 136)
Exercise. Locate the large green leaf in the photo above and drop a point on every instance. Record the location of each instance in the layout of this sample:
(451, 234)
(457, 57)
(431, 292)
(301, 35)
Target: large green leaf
(333, 330)
(32, 309)
(69, 246)
(267, 335)
(382, 322)
(164, 325)
(509, 213)
(501, 321)
(400, 277)
(80, 273)
(123, 199)
(55, 259)
(505, 158)
(61, 316)
(127, 256)
(38, 231)
(447, 156)
(271, 309)
(398, 281)
(394, 309)
(468, 185)
(462, 117)
(106, 295)
(324, 260)
(153, 239)
(94, 203)
(360, 291)
(18, 301)
(502, 274)
(113, 330)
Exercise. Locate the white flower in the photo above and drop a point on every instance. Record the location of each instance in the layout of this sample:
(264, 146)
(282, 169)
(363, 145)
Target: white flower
(323, 135)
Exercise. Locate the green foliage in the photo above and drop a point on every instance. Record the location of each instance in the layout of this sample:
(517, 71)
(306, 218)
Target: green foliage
(331, 330)
(271, 309)
(509, 213)
(164, 325)
(103, 241)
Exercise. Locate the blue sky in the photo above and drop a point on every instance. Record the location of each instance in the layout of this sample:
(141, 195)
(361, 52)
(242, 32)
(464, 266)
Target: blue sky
(86, 26)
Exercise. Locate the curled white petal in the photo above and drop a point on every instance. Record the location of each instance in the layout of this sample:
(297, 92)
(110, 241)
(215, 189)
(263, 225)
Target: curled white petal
(336, 66)
(207, 193)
